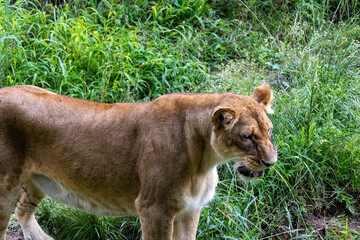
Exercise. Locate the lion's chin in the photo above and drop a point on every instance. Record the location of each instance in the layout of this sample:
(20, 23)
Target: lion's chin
(246, 174)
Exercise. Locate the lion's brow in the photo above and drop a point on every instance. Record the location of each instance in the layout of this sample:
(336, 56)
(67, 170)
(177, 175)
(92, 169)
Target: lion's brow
(261, 122)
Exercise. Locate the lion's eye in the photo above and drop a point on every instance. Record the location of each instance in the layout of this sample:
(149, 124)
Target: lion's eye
(246, 137)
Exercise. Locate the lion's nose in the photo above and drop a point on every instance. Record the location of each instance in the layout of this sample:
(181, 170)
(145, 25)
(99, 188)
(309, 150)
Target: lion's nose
(268, 164)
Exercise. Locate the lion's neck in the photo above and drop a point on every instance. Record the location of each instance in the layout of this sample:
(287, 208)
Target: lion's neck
(198, 134)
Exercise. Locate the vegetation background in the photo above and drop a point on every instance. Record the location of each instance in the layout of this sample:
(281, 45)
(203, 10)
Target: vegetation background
(137, 50)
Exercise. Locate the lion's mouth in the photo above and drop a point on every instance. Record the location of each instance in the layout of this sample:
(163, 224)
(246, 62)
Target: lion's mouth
(248, 173)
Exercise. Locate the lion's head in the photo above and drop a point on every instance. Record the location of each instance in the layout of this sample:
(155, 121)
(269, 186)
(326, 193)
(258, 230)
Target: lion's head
(242, 132)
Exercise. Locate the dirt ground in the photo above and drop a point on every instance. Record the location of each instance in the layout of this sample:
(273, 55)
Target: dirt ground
(322, 225)
(14, 230)
(15, 235)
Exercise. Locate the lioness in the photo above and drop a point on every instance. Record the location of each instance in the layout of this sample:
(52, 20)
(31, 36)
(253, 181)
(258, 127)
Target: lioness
(156, 160)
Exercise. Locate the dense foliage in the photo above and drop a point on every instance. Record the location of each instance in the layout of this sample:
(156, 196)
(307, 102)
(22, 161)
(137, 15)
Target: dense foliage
(308, 51)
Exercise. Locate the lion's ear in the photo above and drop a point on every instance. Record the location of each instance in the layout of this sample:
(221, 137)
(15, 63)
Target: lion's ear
(223, 116)
(264, 96)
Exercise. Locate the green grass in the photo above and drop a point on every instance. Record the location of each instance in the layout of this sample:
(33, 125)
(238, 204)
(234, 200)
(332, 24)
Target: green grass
(308, 51)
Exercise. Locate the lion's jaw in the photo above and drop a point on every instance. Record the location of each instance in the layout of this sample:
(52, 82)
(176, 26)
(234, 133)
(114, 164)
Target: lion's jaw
(247, 166)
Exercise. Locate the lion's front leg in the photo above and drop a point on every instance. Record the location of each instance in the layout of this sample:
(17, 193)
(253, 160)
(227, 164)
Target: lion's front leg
(156, 221)
(185, 225)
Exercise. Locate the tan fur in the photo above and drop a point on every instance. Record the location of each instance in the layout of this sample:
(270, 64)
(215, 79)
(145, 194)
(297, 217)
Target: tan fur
(156, 160)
